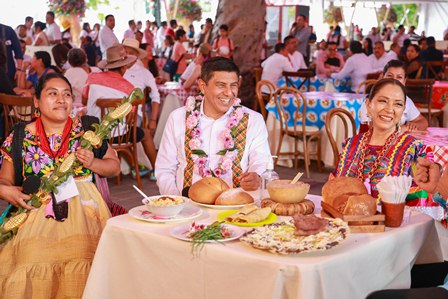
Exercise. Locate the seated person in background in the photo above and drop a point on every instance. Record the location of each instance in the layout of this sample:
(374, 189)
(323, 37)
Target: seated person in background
(379, 58)
(329, 61)
(202, 125)
(356, 67)
(193, 70)
(223, 45)
(89, 48)
(275, 65)
(394, 51)
(431, 54)
(412, 120)
(294, 56)
(40, 66)
(41, 38)
(423, 44)
(413, 62)
(428, 178)
(78, 72)
(384, 149)
(142, 78)
(111, 84)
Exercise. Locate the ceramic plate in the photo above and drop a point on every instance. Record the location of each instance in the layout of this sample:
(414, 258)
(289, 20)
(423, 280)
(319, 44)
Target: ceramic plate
(188, 213)
(223, 215)
(219, 207)
(180, 232)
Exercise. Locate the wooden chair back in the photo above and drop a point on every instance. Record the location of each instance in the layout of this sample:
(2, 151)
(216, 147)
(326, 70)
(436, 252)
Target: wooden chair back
(420, 91)
(374, 76)
(365, 86)
(264, 98)
(16, 109)
(349, 127)
(306, 75)
(257, 73)
(282, 98)
(437, 70)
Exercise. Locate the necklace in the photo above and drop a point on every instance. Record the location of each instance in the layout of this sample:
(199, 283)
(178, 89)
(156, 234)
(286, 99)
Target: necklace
(228, 153)
(43, 140)
(363, 148)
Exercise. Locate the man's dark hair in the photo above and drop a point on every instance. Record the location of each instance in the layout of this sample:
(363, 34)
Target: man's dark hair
(50, 13)
(218, 64)
(46, 58)
(423, 39)
(108, 16)
(279, 47)
(332, 44)
(164, 23)
(394, 63)
(76, 57)
(224, 27)
(401, 26)
(356, 47)
(303, 16)
(173, 23)
(406, 42)
(180, 33)
(379, 43)
(131, 22)
(431, 41)
(208, 20)
(28, 18)
(286, 39)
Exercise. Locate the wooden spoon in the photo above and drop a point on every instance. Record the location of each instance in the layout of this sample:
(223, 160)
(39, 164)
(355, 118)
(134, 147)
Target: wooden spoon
(296, 178)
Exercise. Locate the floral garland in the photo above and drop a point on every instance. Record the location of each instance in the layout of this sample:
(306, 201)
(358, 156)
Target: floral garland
(67, 7)
(229, 152)
(190, 10)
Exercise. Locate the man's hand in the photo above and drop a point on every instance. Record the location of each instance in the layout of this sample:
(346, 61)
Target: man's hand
(427, 175)
(250, 181)
(14, 196)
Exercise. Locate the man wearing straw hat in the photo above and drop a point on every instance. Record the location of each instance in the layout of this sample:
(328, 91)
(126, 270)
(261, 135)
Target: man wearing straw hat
(111, 84)
(142, 78)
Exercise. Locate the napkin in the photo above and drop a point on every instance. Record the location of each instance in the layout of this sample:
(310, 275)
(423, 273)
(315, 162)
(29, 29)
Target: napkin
(394, 189)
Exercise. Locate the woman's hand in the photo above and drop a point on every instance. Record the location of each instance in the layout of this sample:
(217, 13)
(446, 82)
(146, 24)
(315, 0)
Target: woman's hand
(250, 181)
(85, 157)
(427, 175)
(14, 196)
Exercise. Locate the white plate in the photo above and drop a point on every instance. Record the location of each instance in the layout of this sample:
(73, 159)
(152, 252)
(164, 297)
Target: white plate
(179, 232)
(187, 213)
(220, 207)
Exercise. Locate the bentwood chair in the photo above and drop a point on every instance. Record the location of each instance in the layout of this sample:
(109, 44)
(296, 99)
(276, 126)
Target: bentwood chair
(437, 70)
(305, 75)
(349, 129)
(365, 86)
(298, 130)
(15, 109)
(124, 136)
(420, 91)
(262, 97)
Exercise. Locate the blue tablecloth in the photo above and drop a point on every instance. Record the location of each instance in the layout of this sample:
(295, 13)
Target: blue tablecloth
(318, 84)
(319, 103)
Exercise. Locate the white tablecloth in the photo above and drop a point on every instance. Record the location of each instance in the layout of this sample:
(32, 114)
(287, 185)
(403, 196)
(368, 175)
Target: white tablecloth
(136, 259)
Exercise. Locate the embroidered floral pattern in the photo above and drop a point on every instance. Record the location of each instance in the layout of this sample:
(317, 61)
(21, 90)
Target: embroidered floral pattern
(229, 152)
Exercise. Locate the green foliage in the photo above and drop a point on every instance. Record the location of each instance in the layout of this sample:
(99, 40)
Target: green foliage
(93, 4)
(400, 9)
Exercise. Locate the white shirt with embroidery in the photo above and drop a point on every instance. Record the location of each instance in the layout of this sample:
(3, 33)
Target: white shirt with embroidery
(171, 160)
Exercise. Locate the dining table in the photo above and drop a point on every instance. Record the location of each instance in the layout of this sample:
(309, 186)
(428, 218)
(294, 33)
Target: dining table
(172, 96)
(318, 105)
(319, 84)
(139, 259)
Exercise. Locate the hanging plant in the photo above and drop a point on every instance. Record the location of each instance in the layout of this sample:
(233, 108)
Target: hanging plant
(190, 10)
(332, 15)
(67, 7)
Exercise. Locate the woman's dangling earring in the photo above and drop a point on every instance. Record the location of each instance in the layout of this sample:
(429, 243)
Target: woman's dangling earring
(36, 113)
(398, 128)
(369, 120)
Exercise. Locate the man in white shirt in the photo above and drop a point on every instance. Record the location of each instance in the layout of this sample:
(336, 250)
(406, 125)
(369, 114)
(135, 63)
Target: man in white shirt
(130, 32)
(53, 31)
(394, 51)
(29, 27)
(412, 119)
(160, 36)
(208, 120)
(142, 78)
(374, 35)
(400, 36)
(356, 67)
(275, 65)
(107, 37)
(294, 56)
(379, 58)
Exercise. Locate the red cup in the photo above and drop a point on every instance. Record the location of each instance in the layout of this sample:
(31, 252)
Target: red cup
(393, 212)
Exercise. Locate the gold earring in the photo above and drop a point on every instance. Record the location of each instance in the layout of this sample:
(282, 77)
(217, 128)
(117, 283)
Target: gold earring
(36, 113)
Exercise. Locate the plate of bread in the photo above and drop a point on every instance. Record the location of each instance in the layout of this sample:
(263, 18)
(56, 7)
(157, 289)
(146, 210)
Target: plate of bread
(248, 216)
(212, 192)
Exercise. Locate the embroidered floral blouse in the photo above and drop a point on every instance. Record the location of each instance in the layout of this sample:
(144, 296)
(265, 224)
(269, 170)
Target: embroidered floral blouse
(35, 161)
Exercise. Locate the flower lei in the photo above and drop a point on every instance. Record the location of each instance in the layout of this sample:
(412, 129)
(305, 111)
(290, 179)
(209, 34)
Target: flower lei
(228, 154)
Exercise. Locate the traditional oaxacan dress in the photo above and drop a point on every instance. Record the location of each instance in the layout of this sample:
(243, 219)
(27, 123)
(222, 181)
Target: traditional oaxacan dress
(48, 258)
(398, 159)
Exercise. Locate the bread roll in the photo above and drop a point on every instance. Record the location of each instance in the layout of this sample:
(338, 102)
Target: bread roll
(364, 205)
(233, 197)
(304, 207)
(207, 190)
(340, 186)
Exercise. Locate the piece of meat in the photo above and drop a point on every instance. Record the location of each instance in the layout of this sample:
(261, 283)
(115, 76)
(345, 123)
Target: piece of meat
(307, 225)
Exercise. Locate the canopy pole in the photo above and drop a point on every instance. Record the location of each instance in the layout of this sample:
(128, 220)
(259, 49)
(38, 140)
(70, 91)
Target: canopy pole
(351, 20)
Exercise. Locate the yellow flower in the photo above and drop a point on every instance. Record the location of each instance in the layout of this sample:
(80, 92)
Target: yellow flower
(47, 170)
(78, 170)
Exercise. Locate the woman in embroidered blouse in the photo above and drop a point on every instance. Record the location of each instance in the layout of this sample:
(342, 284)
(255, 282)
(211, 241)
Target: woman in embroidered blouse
(383, 150)
(47, 256)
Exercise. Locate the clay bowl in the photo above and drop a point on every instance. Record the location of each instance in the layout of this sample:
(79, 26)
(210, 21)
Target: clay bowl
(283, 192)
